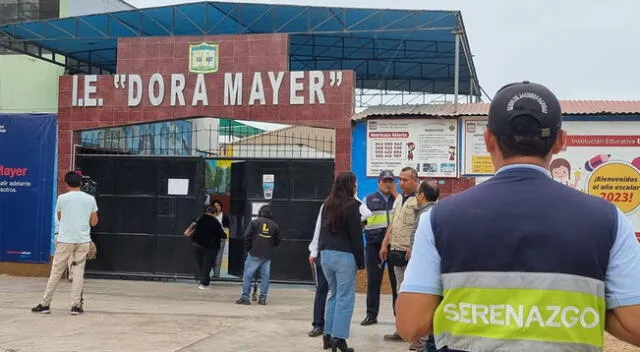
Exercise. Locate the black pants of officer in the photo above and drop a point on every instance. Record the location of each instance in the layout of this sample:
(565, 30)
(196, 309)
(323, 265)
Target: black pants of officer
(374, 280)
(321, 296)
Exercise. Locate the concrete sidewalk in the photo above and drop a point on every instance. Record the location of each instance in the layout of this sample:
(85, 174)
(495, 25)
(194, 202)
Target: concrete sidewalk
(152, 316)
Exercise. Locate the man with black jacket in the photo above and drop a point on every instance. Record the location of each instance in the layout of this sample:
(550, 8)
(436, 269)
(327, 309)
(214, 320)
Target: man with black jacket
(260, 239)
(206, 244)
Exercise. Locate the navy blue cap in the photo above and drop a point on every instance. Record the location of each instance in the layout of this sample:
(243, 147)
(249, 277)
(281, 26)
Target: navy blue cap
(386, 175)
(525, 99)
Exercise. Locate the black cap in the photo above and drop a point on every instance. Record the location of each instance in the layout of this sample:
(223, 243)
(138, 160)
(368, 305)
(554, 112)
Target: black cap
(386, 175)
(525, 99)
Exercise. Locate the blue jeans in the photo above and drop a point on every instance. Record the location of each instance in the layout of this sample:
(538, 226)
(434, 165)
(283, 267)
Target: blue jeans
(251, 266)
(340, 270)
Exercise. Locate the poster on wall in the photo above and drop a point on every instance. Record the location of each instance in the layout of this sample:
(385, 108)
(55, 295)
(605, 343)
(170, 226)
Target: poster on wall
(476, 159)
(27, 164)
(217, 178)
(602, 159)
(428, 145)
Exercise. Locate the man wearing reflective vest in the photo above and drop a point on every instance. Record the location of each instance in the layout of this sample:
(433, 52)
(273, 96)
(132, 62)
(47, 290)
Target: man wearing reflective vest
(380, 204)
(521, 262)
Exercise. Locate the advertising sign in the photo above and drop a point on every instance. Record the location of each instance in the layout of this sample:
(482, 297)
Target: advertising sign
(476, 159)
(428, 145)
(603, 159)
(27, 155)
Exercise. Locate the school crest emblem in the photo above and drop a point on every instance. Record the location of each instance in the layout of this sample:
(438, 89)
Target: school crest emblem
(203, 58)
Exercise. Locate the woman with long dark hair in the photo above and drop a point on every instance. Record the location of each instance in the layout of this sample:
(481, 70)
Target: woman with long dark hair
(342, 251)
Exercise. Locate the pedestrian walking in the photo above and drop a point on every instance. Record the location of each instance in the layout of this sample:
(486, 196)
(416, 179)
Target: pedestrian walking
(77, 212)
(322, 287)
(342, 251)
(260, 239)
(206, 245)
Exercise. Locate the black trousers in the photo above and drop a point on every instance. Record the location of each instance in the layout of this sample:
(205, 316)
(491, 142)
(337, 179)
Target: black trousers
(321, 297)
(205, 260)
(374, 280)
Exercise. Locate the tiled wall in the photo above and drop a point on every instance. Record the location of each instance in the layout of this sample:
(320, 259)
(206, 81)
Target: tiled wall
(239, 53)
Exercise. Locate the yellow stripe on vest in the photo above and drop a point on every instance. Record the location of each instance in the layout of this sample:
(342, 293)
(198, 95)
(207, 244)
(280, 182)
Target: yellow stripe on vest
(514, 314)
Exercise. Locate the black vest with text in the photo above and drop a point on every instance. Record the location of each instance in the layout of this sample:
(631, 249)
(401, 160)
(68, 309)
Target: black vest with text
(523, 263)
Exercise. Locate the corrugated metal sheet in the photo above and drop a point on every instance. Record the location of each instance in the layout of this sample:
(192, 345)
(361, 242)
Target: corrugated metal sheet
(569, 107)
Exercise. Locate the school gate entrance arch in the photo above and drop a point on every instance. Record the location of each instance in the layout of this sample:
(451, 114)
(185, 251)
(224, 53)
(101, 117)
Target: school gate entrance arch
(171, 78)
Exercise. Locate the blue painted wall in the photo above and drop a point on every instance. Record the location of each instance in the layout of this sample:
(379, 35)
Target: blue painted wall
(366, 185)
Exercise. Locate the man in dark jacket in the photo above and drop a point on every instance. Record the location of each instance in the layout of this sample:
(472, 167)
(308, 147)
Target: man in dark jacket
(260, 239)
(380, 203)
(206, 244)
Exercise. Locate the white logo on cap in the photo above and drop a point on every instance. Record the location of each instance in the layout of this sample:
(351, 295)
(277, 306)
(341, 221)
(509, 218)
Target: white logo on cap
(534, 96)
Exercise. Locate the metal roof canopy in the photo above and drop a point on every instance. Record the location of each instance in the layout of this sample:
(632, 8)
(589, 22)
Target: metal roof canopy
(390, 50)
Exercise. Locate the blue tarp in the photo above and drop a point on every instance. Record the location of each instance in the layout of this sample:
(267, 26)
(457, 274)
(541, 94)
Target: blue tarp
(27, 186)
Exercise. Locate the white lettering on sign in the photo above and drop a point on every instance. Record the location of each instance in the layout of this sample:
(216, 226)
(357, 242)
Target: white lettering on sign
(177, 89)
(315, 87)
(89, 90)
(523, 316)
(135, 90)
(200, 94)
(74, 91)
(232, 89)
(276, 82)
(156, 89)
(304, 88)
(295, 87)
(257, 90)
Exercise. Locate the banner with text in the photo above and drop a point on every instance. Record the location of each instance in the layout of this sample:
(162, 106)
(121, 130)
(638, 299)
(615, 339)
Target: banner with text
(603, 159)
(27, 156)
(476, 159)
(224, 89)
(428, 145)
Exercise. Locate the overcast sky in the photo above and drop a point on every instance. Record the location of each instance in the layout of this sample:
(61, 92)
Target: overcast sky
(581, 49)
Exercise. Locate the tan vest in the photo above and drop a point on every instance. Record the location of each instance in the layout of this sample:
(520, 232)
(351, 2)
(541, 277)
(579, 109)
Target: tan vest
(402, 225)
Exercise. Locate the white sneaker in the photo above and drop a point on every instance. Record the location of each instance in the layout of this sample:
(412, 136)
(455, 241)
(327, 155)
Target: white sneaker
(203, 287)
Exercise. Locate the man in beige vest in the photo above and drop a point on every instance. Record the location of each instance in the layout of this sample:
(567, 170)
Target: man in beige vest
(399, 233)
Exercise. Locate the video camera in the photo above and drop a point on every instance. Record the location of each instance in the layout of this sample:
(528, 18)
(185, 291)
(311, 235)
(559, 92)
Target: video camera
(88, 185)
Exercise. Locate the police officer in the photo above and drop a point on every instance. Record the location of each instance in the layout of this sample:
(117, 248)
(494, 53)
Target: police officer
(520, 262)
(380, 204)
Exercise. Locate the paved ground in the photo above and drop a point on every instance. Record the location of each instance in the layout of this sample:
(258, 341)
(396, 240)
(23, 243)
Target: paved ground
(152, 316)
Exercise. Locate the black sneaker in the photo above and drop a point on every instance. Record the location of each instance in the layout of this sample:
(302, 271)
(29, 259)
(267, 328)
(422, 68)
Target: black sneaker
(244, 302)
(315, 332)
(77, 310)
(41, 309)
(369, 321)
(262, 302)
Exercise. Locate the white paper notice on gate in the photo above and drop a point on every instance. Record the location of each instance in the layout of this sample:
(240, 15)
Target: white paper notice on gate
(178, 187)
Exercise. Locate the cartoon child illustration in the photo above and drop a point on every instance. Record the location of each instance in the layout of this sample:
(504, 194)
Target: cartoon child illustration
(452, 153)
(411, 147)
(561, 172)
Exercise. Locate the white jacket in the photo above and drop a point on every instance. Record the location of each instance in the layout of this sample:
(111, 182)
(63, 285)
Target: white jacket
(365, 213)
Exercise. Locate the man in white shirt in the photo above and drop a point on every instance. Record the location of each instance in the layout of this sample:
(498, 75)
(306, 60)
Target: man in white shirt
(77, 212)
